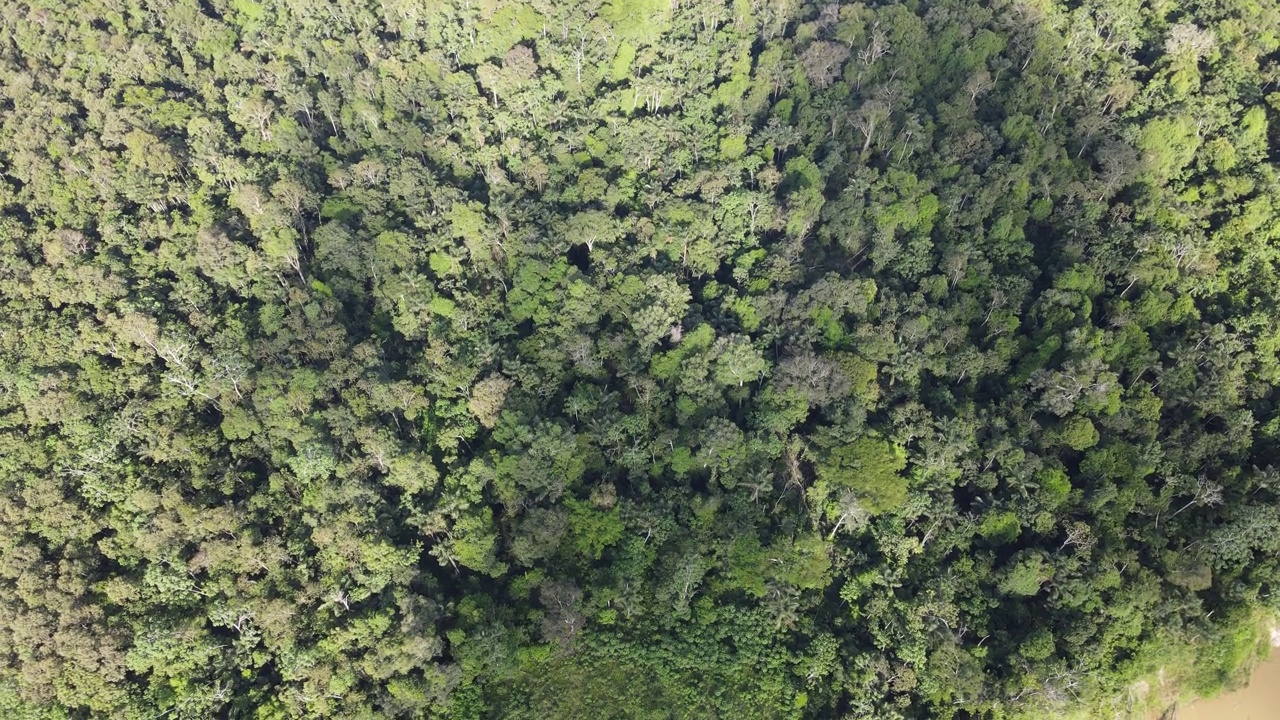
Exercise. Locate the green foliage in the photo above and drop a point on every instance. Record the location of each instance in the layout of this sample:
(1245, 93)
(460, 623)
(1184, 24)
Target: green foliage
(1002, 527)
(1024, 577)
(1078, 433)
(621, 69)
(872, 468)
(593, 529)
(510, 24)
(635, 358)
(638, 19)
(1169, 145)
(1055, 486)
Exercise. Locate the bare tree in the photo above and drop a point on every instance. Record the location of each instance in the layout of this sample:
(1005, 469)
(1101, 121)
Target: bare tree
(877, 47)
(563, 618)
(1120, 163)
(822, 62)
(872, 115)
(1206, 494)
(978, 84)
(850, 514)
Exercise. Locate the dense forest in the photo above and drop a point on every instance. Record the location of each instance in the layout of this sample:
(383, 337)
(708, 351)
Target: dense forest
(472, 359)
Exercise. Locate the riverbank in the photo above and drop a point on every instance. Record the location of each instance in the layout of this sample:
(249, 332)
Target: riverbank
(1259, 700)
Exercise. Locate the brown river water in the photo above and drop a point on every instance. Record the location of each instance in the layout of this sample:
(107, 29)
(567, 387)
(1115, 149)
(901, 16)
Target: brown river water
(1260, 700)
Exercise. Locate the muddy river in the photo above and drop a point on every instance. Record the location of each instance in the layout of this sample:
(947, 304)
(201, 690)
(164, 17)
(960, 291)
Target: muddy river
(1259, 701)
